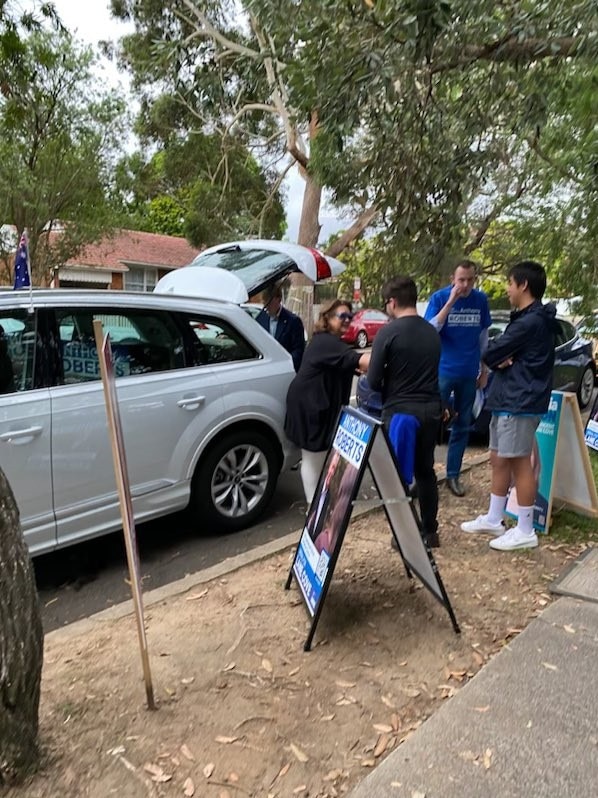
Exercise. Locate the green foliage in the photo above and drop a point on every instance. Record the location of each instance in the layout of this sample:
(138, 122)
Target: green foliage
(193, 187)
(448, 116)
(57, 134)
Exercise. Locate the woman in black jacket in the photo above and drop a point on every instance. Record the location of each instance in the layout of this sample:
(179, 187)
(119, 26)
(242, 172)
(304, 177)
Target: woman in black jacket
(322, 386)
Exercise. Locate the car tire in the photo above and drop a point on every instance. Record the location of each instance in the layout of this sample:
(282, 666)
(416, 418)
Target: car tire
(234, 481)
(361, 339)
(586, 387)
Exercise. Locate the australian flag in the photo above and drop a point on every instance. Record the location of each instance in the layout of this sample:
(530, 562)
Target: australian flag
(22, 277)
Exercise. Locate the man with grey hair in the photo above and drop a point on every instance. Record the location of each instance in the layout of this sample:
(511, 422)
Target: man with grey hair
(284, 326)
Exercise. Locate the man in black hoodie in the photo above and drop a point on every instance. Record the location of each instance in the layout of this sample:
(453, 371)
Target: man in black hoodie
(404, 367)
(522, 359)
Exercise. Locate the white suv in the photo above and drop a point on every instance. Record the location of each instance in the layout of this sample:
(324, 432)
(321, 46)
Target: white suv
(201, 390)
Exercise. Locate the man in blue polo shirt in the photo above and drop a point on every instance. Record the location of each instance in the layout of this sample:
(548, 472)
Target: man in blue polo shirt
(460, 314)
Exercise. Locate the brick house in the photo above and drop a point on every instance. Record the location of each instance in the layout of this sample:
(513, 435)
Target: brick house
(128, 259)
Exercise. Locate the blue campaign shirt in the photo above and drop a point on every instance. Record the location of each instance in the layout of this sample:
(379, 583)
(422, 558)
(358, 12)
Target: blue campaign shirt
(460, 336)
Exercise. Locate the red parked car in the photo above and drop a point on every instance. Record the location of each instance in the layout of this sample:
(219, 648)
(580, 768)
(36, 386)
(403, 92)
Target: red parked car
(364, 326)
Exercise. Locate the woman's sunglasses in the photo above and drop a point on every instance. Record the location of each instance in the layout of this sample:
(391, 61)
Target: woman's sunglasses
(344, 316)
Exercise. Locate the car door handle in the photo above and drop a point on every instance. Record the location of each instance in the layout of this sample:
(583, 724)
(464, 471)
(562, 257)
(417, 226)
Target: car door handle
(191, 402)
(29, 432)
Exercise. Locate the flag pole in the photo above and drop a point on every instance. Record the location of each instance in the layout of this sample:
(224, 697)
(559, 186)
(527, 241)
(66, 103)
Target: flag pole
(26, 234)
(22, 268)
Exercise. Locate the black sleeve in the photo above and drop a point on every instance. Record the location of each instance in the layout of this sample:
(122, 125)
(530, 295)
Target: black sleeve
(336, 354)
(297, 342)
(507, 345)
(378, 360)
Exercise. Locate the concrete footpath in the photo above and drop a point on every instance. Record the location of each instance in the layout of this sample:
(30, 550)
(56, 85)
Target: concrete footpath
(525, 725)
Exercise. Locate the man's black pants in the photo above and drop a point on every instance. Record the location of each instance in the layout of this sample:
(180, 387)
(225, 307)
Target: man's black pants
(429, 417)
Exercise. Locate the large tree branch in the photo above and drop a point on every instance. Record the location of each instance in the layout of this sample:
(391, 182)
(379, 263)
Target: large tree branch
(270, 198)
(207, 29)
(269, 109)
(359, 225)
(559, 168)
(479, 233)
(512, 49)
(297, 153)
(279, 97)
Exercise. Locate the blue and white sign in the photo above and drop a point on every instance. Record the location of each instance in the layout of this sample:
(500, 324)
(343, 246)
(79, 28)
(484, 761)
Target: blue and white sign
(310, 569)
(81, 362)
(359, 442)
(591, 433)
(352, 437)
(331, 507)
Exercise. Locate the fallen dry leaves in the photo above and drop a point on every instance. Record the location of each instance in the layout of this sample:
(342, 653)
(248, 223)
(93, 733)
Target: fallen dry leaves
(274, 721)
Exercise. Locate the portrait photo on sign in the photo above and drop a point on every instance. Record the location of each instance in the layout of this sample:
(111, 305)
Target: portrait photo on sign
(332, 502)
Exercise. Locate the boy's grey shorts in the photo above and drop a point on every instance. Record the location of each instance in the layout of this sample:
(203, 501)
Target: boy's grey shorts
(513, 436)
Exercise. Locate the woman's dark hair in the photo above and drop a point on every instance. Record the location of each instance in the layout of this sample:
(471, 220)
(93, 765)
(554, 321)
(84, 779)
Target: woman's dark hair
(322, 324)
(535, 275)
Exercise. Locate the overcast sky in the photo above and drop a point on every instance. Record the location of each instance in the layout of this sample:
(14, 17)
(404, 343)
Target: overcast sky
(91, 21)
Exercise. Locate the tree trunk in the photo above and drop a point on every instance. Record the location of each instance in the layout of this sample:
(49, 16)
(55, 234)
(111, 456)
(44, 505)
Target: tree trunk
(309, 224)
(21, 646)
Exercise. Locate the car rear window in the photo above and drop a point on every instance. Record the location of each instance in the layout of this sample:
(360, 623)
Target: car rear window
(252, 266)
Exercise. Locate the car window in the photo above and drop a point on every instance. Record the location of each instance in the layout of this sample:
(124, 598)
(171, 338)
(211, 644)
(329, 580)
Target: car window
(215, 341)
(253, 310)
(17, 351)
(252, 266)
(143, 341)
(497, 327)
(565, 332)
(375, 315)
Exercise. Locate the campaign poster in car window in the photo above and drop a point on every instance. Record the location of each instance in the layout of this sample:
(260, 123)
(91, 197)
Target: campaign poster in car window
(591, 431)
(331, 507)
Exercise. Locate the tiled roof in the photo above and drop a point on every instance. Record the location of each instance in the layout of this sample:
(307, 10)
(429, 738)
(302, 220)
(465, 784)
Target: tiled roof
(133, 248)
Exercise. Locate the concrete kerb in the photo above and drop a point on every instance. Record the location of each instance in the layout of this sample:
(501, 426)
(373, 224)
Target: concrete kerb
(217, 571)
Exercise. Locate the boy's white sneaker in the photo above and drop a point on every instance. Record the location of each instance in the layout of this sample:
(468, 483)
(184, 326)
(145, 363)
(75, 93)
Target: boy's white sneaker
(514, 539)
(482, 524)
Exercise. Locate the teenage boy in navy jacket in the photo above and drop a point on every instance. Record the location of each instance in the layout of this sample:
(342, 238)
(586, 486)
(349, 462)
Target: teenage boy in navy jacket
(522, 359)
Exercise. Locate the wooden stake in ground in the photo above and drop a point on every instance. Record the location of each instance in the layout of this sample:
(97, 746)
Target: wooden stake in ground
(124, 496)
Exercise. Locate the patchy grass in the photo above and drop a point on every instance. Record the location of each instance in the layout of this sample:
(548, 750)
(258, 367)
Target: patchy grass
(570, 527)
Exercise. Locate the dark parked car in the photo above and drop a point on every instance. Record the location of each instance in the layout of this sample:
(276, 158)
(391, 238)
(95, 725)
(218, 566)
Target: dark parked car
(588, 328)
(574, 370)
(364, 326)
(574, 365)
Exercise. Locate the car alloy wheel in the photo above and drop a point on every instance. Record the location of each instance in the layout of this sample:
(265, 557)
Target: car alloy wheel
(235, 481)
(362, 339)
(586, 387)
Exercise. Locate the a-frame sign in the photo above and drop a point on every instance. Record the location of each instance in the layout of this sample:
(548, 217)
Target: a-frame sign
(561, 463)
(360, 441)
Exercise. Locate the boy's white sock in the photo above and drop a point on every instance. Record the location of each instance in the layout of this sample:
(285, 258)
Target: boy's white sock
(525, 520)
(497, 508)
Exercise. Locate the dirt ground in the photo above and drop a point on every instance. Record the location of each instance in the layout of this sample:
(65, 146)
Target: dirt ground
(243, 710)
